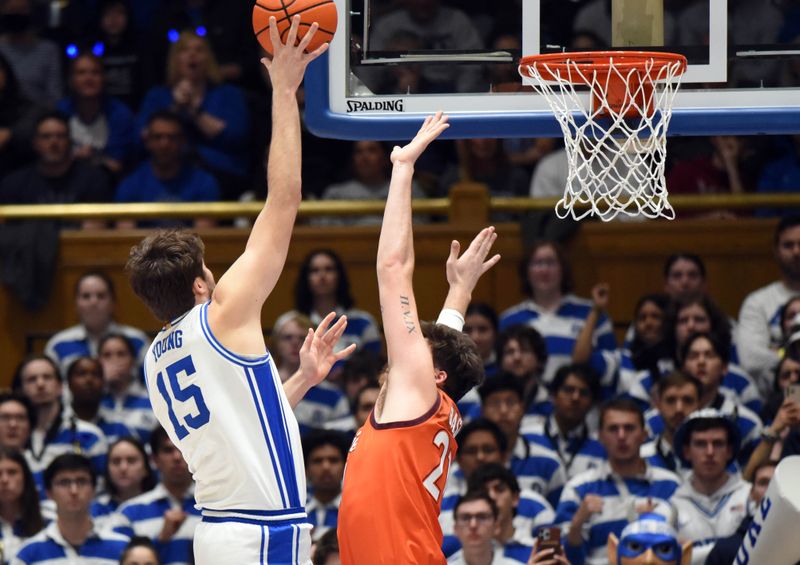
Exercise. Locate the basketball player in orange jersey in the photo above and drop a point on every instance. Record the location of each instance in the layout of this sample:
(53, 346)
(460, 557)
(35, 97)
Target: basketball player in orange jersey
(398, 463)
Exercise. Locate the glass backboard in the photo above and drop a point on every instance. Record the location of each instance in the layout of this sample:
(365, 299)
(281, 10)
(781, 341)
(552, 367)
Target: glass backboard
(393, 61)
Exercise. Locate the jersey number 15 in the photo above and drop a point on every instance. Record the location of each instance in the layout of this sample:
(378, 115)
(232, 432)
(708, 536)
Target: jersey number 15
(191, 392)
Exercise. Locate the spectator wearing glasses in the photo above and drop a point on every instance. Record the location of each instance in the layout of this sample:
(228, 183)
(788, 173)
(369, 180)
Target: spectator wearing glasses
(72, 537)
(475, 525)
(479, 441)
(514, 533)
(558, 315)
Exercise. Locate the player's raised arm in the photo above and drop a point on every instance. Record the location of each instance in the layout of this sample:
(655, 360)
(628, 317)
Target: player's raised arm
(411, 387)
(463, 273)
(244, 288)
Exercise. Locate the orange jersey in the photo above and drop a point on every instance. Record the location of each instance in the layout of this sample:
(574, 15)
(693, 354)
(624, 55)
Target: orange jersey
(393, 487)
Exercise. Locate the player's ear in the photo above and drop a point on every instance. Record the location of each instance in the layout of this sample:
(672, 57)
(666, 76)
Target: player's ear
(686, 553)
(200, 288)
(611, 547)
(440, 377)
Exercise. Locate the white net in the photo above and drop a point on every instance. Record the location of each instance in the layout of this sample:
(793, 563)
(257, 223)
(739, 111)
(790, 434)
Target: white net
(616, 149)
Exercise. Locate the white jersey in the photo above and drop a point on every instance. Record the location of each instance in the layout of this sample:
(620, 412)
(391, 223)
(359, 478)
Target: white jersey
(705, 518)
(231, 420)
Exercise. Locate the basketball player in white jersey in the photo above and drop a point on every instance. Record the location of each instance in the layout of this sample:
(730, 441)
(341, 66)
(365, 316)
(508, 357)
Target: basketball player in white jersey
(212, 382)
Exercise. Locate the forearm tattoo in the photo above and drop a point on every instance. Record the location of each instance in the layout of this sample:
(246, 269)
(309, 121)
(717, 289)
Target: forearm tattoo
(408, 319)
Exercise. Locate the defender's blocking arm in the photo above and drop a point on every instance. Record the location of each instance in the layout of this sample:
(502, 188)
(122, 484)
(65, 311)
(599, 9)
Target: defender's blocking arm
(411, 388)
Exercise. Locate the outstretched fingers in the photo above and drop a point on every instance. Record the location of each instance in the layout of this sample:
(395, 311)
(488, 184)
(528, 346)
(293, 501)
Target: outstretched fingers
(291, 37)
(490, 263)
(335, 332)
(308, 340)
(308, 36)
(344, 353)
(322, 327)
(274, 36)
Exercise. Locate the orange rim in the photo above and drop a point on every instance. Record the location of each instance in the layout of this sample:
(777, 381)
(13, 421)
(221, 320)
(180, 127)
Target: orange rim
(550, 65)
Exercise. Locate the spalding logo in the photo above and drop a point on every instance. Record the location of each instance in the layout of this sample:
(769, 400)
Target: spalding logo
(375, 105)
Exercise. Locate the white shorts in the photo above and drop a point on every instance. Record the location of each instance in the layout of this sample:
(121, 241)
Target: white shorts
(251, 543)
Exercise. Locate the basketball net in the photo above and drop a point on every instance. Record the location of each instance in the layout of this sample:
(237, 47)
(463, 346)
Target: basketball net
(616, 148)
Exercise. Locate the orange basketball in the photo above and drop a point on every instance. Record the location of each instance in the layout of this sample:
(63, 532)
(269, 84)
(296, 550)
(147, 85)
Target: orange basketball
(321, 11)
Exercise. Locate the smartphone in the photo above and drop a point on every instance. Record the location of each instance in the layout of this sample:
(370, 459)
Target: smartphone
(549, 538)
(793, 391)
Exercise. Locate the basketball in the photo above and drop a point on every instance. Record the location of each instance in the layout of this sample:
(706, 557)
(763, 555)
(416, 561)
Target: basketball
(321, 11)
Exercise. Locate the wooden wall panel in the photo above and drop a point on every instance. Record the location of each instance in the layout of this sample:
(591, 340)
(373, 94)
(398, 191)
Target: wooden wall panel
(627, 255)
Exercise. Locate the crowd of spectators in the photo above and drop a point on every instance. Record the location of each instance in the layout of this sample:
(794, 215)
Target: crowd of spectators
(686, 417)
(164, 101)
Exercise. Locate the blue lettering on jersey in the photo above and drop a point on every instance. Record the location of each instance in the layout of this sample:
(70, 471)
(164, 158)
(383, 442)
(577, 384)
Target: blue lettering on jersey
(191, 392)
(172, 341)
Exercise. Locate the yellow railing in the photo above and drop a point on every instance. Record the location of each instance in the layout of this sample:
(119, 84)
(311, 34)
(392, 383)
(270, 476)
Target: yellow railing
(435, 206)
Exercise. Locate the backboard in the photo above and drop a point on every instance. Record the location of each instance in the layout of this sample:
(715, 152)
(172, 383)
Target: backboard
(394, 61)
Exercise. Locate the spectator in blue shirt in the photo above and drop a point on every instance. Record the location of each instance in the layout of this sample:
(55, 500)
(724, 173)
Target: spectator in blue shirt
(537, 468)
(166, 514)
(167, 176)
(85, 382)
(128, 474)
(604, 499)
(95, 298)
(480, 324)
(215, 113)
(323, 285)
(57, 431)
(575, 389)
(71, 537)
(126, 401)
(558, 315)
(324, 453)
(101, 127)
(20, 515)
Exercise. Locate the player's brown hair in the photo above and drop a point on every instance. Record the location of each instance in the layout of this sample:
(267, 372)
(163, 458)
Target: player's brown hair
(455, 354)
(162, 269)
